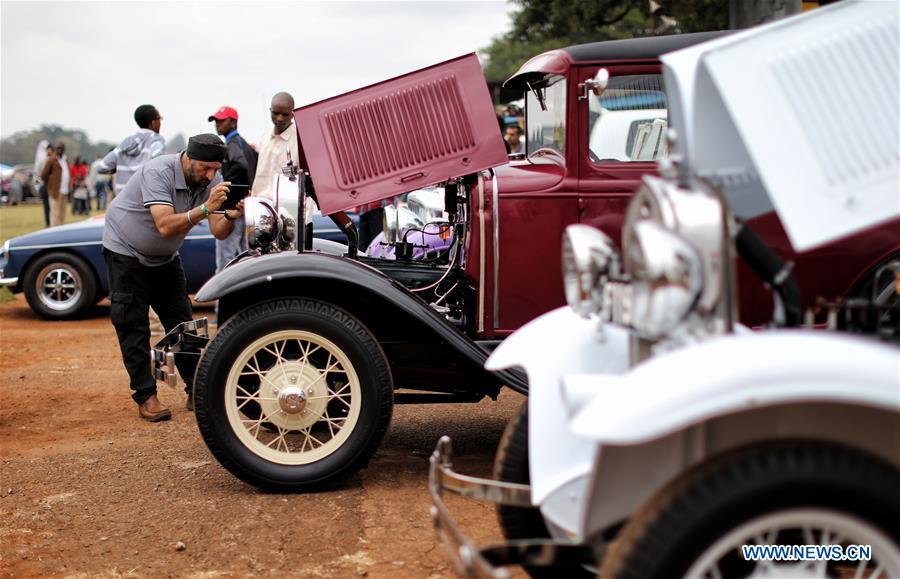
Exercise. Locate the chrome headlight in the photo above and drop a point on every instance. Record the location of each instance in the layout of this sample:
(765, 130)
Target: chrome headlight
(5, 250)
(588, 257)
(667, 277)
(261, 220)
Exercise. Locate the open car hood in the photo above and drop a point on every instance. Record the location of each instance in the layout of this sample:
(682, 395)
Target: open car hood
(399, 135)
(803, 109)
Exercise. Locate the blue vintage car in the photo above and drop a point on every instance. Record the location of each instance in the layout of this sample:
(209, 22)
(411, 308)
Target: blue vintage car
(62, 272)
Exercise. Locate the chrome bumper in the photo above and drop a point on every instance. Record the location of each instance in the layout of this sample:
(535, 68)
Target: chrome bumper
(8, 281)
(488, 562)
(187, 338)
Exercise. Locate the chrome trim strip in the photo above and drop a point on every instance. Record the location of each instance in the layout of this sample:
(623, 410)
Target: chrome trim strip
(481, 253)
(496, 213)
(53, 245)
(9, 281)
(88, 243)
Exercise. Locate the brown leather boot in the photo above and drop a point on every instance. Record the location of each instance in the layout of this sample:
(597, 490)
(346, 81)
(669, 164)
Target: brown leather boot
(154, 410)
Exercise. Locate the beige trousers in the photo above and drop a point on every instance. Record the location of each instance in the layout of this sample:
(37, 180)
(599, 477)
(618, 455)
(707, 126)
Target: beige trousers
(58, 210)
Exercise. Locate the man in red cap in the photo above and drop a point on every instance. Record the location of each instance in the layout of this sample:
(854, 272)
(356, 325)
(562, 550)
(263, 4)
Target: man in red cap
(238, 168)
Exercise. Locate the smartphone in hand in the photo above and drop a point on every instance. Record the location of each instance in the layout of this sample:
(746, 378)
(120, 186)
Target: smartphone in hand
(235, 193)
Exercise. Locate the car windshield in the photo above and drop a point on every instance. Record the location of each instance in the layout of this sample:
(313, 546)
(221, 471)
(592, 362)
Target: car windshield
(546, 126)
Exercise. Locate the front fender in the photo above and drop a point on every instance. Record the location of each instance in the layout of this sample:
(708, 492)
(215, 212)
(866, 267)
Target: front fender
(547, 348)
(308, 267)
(732, 374)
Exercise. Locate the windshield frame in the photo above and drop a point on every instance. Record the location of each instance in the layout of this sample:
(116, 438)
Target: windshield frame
(555, 94)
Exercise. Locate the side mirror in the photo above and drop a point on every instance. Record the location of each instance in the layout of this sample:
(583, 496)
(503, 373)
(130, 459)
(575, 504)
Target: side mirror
(596, 85)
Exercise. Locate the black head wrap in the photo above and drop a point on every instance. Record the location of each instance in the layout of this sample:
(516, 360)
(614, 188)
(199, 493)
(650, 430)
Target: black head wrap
(206, 147)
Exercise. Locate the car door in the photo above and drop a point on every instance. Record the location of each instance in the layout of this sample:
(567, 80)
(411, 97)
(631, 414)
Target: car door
(621, 134)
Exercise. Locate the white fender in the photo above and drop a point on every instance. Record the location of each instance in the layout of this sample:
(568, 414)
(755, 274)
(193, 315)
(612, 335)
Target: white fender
(550, 346)
(732, 374)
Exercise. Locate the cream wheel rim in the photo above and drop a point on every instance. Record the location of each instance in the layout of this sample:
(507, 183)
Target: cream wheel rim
(292, 397)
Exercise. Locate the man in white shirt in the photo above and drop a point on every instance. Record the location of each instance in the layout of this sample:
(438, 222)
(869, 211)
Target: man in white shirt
(274, 146)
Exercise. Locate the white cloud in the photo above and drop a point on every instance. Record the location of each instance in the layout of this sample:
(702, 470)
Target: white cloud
(89, 64)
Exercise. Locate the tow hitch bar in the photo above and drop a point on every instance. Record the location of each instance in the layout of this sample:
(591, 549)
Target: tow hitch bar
(186, 339)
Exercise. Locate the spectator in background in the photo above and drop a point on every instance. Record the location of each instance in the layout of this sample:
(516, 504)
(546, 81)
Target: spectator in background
(275, 145)
(40, 158)
(514, 140)
(100, 183)
(55, 175)
(137, 149)
(239, 168)
(79, 187)
(16, 190)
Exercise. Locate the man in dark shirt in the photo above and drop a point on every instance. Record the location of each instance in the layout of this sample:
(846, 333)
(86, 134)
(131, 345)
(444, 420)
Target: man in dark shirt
(239, 168)
(145, 226)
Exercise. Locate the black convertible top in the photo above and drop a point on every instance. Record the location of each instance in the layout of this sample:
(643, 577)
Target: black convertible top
(638, 48)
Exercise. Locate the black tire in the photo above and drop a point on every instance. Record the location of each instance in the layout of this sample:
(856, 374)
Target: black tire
(675, 527)
(243, 452)
(60, 286)
(511, 464)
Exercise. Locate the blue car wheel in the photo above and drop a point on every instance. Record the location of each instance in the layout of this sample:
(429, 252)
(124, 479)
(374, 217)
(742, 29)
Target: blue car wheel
(60, 286)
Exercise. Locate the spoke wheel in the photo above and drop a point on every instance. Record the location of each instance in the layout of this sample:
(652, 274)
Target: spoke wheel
(304, 394)
(819, 527)
(60, 285)
(802, 493)
(293, 395)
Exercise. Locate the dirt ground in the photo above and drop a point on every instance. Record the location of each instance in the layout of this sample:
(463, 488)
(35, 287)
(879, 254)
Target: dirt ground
(87, 489)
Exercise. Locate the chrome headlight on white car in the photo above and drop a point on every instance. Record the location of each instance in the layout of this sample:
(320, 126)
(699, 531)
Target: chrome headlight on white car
(669, 283)
(588, 258)
(666, 279)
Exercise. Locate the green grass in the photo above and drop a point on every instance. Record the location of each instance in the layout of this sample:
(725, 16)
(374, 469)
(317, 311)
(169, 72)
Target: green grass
(22, 219)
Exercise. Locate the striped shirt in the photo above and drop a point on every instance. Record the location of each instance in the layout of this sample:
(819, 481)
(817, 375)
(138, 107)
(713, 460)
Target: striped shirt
(133, 152)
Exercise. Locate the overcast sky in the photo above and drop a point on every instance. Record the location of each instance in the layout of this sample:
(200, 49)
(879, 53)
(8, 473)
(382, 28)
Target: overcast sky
(88, 65)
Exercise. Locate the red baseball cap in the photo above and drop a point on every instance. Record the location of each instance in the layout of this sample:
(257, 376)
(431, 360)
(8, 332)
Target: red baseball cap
(224, 113)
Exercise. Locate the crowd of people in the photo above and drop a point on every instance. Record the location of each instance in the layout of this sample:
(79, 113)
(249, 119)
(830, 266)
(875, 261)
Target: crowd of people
(57, 181)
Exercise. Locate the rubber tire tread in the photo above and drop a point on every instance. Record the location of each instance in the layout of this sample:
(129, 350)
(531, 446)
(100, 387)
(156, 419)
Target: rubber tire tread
(211, 422)
(665, 536)
(511, 464)
(88, 279)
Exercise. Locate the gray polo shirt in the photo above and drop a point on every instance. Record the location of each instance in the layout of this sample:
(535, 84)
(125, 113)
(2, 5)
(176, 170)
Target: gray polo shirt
(130, 229)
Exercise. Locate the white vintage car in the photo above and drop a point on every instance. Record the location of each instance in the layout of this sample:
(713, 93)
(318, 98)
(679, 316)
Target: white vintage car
(662, 438)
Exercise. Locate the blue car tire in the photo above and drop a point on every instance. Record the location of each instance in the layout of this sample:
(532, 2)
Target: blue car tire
(60, 286)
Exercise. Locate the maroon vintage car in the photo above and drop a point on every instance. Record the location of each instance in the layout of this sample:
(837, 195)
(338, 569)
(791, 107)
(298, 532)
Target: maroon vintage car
(296, 389)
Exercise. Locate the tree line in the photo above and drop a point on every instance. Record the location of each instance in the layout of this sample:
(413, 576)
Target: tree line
(20, 147)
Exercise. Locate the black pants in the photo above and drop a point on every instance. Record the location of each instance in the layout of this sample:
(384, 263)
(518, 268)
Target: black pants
(45, 201)
(133, 288)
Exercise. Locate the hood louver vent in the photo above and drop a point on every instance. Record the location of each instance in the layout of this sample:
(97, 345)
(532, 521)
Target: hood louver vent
(399, 130)
(399, 135)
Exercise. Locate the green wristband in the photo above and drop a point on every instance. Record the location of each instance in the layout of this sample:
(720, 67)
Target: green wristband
(204, 210)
